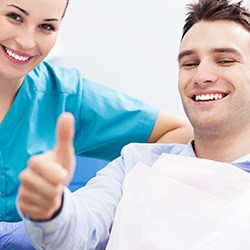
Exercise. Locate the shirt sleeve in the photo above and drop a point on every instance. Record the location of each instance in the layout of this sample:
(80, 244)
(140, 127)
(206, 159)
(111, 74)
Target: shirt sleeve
(105, 119)
(87, 215)
(109, 119)
(13, 236)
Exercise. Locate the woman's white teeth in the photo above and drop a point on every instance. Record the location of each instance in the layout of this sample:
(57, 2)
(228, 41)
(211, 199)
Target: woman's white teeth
(208, 97)
(15, 56)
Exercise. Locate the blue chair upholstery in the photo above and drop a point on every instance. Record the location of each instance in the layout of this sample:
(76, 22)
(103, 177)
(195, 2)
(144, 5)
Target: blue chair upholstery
(86, 168)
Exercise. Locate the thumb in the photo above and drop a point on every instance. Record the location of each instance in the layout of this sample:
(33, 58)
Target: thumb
(65, 135)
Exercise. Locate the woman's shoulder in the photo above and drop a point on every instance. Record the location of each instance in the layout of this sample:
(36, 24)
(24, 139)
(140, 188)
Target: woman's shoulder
(54, 78)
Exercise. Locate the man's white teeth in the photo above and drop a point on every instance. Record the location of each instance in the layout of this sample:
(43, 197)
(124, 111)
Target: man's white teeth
(17, 57)
(208, 97)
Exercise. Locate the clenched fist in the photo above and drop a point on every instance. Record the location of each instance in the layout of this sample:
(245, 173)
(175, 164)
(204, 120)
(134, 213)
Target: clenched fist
(44, 179)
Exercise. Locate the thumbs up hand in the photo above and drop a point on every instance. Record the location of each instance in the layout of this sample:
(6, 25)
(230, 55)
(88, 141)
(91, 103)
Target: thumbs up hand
(44, 179)
(64, 151)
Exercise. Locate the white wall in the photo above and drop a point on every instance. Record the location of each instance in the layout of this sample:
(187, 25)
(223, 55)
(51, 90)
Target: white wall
(130, 45)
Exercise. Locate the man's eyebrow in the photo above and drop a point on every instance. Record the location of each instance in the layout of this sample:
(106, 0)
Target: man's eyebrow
(214, 50)
(185, 53)
(17, 7)
(226, 50)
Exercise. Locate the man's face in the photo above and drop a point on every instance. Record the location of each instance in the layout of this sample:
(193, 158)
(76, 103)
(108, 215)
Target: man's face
(214, 76)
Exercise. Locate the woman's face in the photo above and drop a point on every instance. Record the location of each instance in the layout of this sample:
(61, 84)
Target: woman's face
(28, 33)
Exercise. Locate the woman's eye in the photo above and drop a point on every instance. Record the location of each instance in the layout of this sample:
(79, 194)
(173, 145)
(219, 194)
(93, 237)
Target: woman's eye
(47, 27)
(15, 17)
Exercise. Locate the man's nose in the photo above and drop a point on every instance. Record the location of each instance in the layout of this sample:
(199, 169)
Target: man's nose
(205, 73)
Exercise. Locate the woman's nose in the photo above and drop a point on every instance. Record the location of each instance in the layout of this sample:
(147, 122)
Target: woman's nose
(26, 39)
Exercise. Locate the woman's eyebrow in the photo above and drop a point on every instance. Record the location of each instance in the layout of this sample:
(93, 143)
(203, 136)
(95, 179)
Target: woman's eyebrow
(17, 7)
(51, 20)
(27, 14)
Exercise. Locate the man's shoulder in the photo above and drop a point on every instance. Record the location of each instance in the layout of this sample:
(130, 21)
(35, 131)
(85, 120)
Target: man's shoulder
(174, 148)
(150, 152)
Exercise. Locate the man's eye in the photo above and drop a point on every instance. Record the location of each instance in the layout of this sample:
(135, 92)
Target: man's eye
(190, 65)
(47, 27)
(15, 17)
(226, 61)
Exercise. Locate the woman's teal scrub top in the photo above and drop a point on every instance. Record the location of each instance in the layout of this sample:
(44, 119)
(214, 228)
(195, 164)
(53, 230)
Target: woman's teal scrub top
(105, 120)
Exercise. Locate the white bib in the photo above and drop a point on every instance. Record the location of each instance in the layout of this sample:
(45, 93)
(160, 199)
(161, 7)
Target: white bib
(183, 203)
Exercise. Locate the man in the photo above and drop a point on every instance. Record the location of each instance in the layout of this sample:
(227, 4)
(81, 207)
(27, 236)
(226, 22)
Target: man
(202, 213)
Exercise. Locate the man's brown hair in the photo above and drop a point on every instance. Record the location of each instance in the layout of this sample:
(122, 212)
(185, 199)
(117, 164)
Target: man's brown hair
(212, 10)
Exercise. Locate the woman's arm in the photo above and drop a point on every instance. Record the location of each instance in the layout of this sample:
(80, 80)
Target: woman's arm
(171, 128)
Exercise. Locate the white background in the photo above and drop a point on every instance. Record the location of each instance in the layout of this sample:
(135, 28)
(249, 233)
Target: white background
(130, 45)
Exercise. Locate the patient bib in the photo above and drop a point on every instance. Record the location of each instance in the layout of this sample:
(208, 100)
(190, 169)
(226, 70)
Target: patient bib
(183, 203)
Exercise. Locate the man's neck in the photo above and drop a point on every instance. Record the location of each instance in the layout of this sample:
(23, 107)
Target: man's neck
(223, 149)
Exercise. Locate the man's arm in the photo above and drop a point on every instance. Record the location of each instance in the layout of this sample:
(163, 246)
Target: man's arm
(171, 128)
(13, 236)
(54, 217)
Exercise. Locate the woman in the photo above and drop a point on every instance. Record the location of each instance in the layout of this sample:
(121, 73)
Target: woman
(33, 94)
